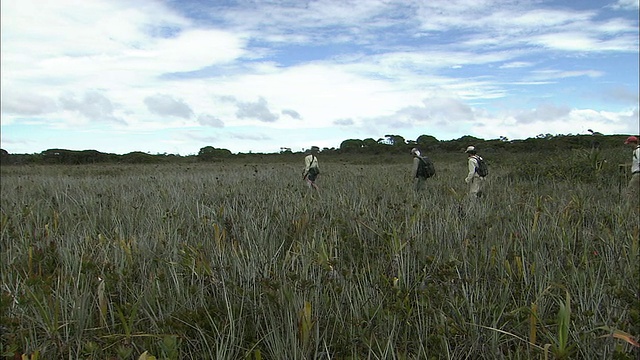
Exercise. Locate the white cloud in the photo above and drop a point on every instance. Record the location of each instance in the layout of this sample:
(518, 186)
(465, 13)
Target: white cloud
(552, 74)
(292, 113)
(208, 120)
(101, 42)
(543, 113)
(579, 41)
(166, 105)
(22, 103)
(258, 110)
(93, 105)
(516, 65)
(343, 122)
(622, 95)
(555, 120)
(626, 4)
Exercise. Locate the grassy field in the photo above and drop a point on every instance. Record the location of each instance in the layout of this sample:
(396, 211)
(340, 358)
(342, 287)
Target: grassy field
(242, 261)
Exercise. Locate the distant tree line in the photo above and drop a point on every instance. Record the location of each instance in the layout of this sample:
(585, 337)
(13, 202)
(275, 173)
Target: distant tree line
(77, 157)
(389, 144)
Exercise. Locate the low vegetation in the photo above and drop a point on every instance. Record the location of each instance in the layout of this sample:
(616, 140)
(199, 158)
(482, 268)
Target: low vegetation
(232, 260)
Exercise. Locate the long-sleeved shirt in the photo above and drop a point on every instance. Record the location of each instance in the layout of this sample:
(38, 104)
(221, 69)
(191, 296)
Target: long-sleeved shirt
(635, 162)
(473, 164)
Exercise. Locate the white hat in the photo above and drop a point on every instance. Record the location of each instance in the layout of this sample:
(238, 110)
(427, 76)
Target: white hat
(470, 149)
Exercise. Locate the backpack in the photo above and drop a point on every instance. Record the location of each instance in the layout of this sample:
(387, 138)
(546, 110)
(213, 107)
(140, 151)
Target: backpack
(482, 169)
(313, 167)
(426, 169)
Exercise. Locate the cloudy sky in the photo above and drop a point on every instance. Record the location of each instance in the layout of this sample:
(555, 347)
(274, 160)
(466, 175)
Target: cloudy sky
(173, 76)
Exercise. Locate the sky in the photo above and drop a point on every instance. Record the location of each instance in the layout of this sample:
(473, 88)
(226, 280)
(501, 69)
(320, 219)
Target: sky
(174, 76)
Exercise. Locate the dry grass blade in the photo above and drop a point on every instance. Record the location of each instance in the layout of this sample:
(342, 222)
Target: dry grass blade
(510, 334)
(619, 334)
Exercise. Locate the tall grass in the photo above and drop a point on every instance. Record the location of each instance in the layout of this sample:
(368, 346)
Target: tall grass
(233, 261)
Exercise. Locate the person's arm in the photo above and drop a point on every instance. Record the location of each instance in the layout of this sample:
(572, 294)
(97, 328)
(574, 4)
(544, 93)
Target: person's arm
(414, 170)
(472, 169)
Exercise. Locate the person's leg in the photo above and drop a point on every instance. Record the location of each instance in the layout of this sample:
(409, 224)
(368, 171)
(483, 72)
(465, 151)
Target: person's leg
(474, 187)
(480, 192)
(311, 181)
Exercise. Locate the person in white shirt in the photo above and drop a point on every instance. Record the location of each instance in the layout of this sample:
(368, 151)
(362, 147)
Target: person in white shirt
(311, 169)
(419, 180)
(473, 179)
(632, 193)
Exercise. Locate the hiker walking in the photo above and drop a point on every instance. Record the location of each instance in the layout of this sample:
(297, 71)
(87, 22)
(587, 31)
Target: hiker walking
(632, 192)
(422, 169)
(477, 172)
(311, 170)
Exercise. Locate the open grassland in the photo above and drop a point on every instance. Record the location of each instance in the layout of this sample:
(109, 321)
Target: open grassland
(234, 261)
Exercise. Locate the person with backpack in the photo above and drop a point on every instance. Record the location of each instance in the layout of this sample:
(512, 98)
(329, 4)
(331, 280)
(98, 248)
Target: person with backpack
(477, 172)
(423, 169)
(311, 169)
(632, 192)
